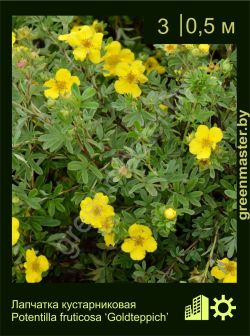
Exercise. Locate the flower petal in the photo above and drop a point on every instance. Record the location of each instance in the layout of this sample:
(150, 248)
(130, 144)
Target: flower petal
(80, 53)
(99, 197)
(230, 278)
(205, 153)
(94, 56)
(50, 83)
(215, 134)
(97, 40)
(30, 255)
(15, 223)
(122, 69)
(134, 90)
(113, 47)
(109, 239)
(195, 146)
(121, 85)
(202, 132)
(52, 93)
(217, 273)
(138, 253)
(63, 75)
(136, 230)
(127, 55)
(224, 261)
(43, 263)
(150, 244)
(33, 277)
(85, 33)
(128, 245)
(74, 79)
(15, 236)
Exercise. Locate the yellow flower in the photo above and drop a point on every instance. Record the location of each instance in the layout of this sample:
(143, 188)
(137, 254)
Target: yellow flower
(13, 38)
(95, 211)
(189, 46)
(163, 107)
(86, 44)
(196, 52)
(212, 67)
(170, 213)
(107, 225)
(35, 266)
(21, 49)
(124, 171)
(152, 64)
(15, 231)
(226, 271)
(23, 33)
(61, 85)
(109, 239)
(114, 56)
(129, 77)
(170, 48)
(204, 48)
(205, 141)
(140, 242)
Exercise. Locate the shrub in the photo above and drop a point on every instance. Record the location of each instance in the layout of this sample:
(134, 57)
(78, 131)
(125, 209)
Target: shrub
(124, 161)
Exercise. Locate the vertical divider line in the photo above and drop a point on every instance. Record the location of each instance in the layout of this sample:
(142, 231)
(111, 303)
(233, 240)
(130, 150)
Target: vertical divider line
(181, 24)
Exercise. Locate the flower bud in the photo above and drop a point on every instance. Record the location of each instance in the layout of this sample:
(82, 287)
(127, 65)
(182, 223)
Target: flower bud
(170, 213)
(123, 171)
(22, 63)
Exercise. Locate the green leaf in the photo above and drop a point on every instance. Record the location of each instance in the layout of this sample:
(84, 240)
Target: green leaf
(55, 236)
(75, 90)
(194, 197)
(35, 167)
(43, 221)
(151, 189)
(53, 140)
(99, 131)
(34, 202)
(95, 171)
(88, 93)
(231, 194)
(51, 208)
(84, 176)
(58, 189)
(90, 105)
(59, 205)
(76, 165)
(136, 187)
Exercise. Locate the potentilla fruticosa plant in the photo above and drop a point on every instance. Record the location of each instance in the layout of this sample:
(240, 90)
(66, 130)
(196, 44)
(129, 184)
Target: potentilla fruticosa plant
(124, 154)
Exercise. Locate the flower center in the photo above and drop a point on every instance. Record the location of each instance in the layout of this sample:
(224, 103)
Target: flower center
(170, 47)
(96, 211)
(35, 266)
(131, 78)
(61, 85)
(206, 142)
(139, 241)
(86, 43)
(113, 59)
(229, 268)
